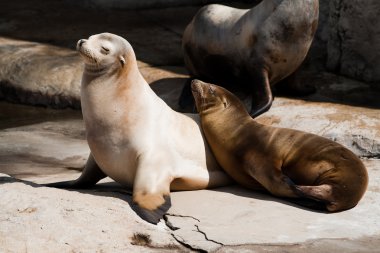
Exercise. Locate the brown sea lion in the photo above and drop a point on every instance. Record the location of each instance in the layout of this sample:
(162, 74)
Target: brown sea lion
(286, 162)
(135, 138)
(254, 48)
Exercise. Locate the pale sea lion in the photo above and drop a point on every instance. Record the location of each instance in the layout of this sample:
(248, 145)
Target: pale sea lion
(251, 48)
(286, 162)
(135, 138)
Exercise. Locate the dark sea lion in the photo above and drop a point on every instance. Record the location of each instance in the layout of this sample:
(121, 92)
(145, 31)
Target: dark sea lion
(286, 162)
(135, 138)
(254, 48)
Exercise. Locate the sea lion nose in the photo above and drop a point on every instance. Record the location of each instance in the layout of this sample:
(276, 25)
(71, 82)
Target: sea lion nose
(196, 85)
(80, 43)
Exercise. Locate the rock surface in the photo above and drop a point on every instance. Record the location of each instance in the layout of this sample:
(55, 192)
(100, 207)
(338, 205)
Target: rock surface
(137, 4)
(249, 218)
(41, 145)
(38, 74)
(346, 39)
(65, 221)
(40, 219)
(354, 42)
(195, 221)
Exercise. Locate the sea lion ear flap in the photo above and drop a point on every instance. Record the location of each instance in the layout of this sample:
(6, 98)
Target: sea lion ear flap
(122, 60)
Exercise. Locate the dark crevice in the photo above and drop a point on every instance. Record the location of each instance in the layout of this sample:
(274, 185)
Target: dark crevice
(174, 228)
(206, 237)
(370, 156)
(339, 37)
(182, 216)
(186, 245)
(368, 148)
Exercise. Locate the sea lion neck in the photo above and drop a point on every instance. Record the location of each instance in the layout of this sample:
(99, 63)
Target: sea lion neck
(93, 75)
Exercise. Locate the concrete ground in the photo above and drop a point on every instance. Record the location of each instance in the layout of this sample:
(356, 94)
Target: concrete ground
(40, 145)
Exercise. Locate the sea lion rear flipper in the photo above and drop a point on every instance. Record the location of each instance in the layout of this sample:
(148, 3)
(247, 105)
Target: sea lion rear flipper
(91, 174)
(320, 193)
(262, 97)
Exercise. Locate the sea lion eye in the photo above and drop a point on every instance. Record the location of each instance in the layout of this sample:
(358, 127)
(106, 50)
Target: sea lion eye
(105, 50)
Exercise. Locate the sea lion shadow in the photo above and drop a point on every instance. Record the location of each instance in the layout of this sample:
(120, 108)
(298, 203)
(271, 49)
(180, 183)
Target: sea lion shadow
(10, 179)
(106, 189)
(329, 88)
(115, 190)
(169, 89)
(109, 189)
(300, 203)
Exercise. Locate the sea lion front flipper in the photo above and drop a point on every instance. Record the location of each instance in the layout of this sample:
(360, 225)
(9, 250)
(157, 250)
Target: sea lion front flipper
(262, 97)
(91, 174)
(277, 183)
(151, 191)
(153, 216)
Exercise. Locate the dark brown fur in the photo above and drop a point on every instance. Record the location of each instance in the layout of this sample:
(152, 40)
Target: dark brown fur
(286, 162)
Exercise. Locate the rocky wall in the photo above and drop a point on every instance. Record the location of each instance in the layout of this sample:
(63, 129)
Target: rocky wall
(354, 39)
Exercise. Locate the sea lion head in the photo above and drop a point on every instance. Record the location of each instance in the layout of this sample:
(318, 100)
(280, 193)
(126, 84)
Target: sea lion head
(104, 52)
(211, 98)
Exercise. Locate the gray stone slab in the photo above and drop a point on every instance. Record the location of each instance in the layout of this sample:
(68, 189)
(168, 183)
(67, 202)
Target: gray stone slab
(36, 149)
(44, 145)
(41, 219)
(356, 128)
(235, 216)
(39, 74)
(227, 219)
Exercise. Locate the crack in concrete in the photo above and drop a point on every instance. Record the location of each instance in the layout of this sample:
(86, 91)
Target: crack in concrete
(186, 245)
(178, 238)
(324, 129)
(182, 216)
(169, 224)
(206, 237)
(181, 240)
